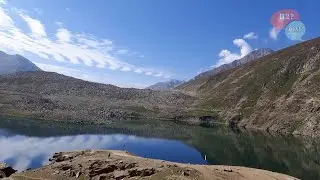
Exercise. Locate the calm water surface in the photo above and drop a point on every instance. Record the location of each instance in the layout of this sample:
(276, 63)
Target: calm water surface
(30, 143)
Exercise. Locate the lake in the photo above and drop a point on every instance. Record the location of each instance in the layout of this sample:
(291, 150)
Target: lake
(26, 143)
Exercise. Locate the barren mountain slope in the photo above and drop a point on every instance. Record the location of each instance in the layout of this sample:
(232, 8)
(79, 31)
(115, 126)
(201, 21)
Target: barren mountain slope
(280, 91)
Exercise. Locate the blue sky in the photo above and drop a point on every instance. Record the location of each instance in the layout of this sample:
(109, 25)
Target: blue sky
(140, 42)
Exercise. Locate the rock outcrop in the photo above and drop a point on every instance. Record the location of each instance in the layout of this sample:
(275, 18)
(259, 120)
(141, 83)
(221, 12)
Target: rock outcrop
(6, 170)
(117, 165)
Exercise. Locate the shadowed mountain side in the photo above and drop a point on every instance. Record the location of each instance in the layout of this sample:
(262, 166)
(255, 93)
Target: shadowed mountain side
(264, 151)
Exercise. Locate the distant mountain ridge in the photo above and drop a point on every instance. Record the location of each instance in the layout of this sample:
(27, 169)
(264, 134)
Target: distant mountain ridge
(166, 85)
(254, 55)
(15, 63)
(49, 95)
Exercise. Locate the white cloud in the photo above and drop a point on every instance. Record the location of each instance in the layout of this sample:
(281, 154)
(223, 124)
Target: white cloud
(99, 78)
(158, 75)
(129, 53)
(63, 35)
(273, 33)
(68, 9)
(227, 57)
(59, 69)
(245, 48)
(35, 26)
(250, 35)
(3, 2)
(68, 47)
(139, 71)
(5, 20)
(122, 51)
(126, 69)
(58, 23)
(89, 41)
(18, 10)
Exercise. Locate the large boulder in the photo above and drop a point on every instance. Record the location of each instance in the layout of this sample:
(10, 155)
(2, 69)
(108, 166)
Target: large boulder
(6, 170)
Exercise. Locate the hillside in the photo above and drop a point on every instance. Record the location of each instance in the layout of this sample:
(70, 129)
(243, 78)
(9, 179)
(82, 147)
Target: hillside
(15, 63)
(280, 92)
(50, 95)
(166, 85)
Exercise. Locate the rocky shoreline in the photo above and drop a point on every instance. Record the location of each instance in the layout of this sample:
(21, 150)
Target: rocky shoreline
(107, 164)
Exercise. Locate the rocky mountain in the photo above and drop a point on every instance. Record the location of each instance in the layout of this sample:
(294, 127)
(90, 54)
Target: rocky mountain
(15, 63)
(166, 85)
(48, 95)
(280, 92)
(254, 55)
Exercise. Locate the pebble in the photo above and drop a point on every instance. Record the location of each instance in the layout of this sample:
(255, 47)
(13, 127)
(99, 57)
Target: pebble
(185, 173)
(78, 174)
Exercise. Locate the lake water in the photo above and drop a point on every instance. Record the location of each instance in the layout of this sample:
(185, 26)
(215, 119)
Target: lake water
(30, 143)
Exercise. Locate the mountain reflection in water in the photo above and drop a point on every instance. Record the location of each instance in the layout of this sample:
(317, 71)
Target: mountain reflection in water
(30, 143)
(24, 152)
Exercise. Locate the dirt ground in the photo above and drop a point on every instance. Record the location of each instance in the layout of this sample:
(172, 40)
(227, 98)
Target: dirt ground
(118, 165)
